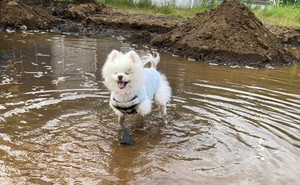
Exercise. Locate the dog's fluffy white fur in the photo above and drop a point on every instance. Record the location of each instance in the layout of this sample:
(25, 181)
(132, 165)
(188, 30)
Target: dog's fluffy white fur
(123, 75)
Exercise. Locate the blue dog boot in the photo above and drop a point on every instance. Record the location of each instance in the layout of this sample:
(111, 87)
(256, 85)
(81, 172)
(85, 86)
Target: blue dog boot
(125, 138)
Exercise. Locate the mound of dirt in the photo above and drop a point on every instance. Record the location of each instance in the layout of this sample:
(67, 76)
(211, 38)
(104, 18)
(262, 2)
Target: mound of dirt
(287, 35)
(14, 14)
(82, 11)
(229, 34)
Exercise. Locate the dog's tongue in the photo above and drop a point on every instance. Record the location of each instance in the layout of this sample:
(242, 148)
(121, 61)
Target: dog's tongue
(121, 85)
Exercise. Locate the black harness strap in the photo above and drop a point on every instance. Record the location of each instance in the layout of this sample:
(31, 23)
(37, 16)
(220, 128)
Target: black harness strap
(128, 107)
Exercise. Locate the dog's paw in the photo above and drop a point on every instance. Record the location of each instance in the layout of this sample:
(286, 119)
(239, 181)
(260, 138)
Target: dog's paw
(125, 138)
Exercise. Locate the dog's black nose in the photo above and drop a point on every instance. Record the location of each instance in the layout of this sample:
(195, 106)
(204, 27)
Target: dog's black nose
(120, 77)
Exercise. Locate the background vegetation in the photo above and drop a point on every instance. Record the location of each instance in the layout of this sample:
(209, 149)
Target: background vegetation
(288, 15)
(287, 12)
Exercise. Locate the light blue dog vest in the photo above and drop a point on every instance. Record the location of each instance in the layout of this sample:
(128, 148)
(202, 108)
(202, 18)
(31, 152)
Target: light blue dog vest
(147, 91)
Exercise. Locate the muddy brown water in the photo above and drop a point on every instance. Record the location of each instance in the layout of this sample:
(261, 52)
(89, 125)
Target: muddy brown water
(227, 125)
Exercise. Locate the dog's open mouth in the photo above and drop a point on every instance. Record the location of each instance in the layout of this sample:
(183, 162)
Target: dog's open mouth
(122, 84)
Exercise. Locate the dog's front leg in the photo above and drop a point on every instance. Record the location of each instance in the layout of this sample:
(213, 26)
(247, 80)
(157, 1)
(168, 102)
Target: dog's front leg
(143, 109)
(125, 138)
(141, 121)
(121, 118)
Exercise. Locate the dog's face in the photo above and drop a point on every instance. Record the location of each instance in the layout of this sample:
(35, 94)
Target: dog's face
(123, 73)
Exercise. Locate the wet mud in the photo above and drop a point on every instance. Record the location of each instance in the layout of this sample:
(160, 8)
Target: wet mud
(95, 18)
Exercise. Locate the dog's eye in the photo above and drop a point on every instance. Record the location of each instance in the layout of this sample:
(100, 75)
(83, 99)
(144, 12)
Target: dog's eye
(127, 73)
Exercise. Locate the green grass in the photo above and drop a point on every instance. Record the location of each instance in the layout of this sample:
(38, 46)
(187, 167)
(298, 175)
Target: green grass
(128, 4)
(145, 6)
(141, 7)
(63, 0)
(287, 15)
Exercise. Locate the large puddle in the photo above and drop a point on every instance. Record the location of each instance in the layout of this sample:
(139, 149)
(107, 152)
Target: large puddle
(227, 125)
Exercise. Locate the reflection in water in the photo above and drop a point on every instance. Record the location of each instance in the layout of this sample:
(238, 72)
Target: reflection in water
(67, 50)
(228, 126)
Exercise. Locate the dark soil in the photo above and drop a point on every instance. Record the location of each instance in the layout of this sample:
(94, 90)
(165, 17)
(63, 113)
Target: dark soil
(14, 14)
(287, 35)
(96, 18)
(229, 34)
(77, 12)
(140, 37)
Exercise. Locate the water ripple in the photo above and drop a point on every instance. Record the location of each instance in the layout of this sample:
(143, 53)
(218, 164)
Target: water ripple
(232, 126)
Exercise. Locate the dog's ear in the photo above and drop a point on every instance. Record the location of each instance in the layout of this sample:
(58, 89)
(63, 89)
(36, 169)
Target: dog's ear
(113, 55)
(134, 57)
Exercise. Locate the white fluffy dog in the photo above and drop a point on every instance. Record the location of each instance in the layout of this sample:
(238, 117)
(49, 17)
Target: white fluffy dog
(133, 86)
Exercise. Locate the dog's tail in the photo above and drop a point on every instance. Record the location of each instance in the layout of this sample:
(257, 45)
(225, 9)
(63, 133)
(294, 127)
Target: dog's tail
(153, 59)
